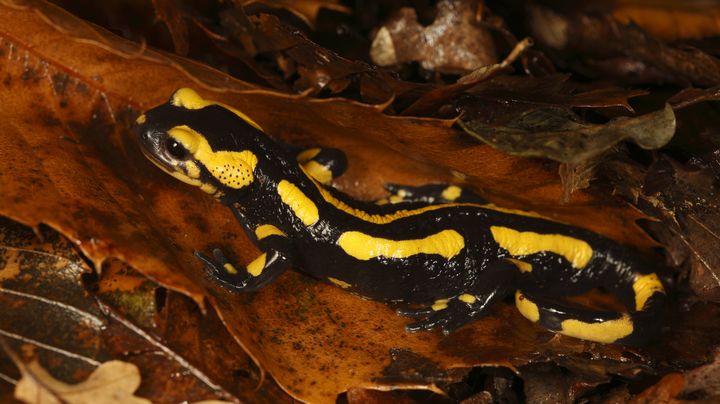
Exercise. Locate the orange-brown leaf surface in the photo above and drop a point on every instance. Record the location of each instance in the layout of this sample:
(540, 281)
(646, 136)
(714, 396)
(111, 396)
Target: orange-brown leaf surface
(67, 159)
(58, 317)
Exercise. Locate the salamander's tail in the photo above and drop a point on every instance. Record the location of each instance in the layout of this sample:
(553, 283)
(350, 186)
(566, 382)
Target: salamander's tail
(630, 328)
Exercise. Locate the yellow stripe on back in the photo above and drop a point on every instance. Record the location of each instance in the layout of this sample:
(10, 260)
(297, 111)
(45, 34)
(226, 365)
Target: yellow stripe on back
(520, 243)
(302, 206)
(606, 331)
(189, 99)
(644, 287)
(447, 243)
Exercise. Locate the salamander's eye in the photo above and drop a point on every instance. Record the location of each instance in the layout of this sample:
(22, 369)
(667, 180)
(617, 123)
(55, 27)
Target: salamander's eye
(175, 149)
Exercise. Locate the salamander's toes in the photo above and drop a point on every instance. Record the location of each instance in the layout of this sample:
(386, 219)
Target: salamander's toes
(414, 313)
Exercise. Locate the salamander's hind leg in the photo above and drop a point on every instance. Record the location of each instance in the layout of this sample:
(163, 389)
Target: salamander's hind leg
(452, 313)
(448, 314)
(431, 194)
(323, 164)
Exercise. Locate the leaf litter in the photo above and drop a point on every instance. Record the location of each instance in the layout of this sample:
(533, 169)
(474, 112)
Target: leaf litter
(130, 219)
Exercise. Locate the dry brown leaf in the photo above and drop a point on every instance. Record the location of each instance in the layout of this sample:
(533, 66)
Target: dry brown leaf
(75, 322)
(671, 20)
(307, 10)
(113, 382)
(453, 43)
(612, 49)
(99, 190)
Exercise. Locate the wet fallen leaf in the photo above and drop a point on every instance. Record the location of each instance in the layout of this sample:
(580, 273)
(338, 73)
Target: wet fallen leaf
(310, 68)
(505, 98)
(307, 10)
(665, 391)
(559, 136)
(687, 201)
(72, 322)
(69, 106)
(691, 96)
(625, 52)
(454, 43)
(671, 20)
(169, 12)
(112, 382)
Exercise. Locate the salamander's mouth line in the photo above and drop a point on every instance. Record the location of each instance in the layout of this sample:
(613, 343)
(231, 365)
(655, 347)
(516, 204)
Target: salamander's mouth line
(156, 161)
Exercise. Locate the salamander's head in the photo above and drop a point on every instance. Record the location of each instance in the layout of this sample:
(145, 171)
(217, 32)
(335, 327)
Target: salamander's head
(201, 142)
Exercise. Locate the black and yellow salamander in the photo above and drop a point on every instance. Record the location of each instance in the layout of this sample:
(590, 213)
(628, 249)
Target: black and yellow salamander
(438, 250)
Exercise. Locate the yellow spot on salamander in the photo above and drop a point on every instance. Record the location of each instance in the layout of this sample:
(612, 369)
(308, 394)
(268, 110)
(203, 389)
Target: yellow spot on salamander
(192, 169)
(256, 267)
(301, 205)
(396, 198)
(229, 268)
(440, 304)
(340, 283)
(644, 287)
(467, 298)
(141, 119)
(523, 266)
(268, 230)
(318, 171)
(447, 243)
(231, 168)
(606, 332)
(519, 243)
(189, 99)
(451, 193)
(307, 155)
(526, 307)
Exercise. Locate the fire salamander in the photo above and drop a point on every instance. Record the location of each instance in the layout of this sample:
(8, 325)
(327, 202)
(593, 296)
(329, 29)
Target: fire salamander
(440, 251)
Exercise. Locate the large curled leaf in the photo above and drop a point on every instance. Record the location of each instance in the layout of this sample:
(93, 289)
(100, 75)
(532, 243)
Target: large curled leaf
(555, 135)
(57, 318)
(70, 92)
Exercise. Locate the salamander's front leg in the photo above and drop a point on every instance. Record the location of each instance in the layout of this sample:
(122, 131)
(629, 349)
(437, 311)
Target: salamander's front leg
(260, 272)
(323, 164)
(431, 194)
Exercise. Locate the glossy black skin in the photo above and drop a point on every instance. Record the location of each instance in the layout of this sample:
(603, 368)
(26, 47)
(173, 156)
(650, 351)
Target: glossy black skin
(479, 269)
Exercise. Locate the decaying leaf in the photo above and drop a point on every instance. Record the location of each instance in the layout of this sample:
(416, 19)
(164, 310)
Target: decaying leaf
(430, 101)
(688, 202)
(454, 43)
(670, 20)
(75, 322)
(113, 382)
(307, 10)
(559, 136)
(625, 52)
(691, 96)
(69, 106)
(310, 68)
(505, 98)
(170, 13)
